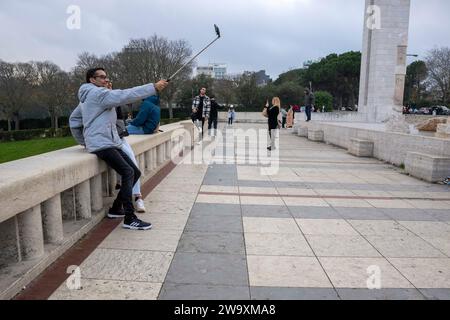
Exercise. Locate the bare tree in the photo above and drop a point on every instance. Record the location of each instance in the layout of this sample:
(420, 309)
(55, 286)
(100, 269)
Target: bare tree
(53, 86)
(149, 60)
(225, 90)
(438, 65)
(16, 82)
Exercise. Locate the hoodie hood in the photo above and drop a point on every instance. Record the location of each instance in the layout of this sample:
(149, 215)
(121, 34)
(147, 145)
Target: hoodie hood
(84, 90)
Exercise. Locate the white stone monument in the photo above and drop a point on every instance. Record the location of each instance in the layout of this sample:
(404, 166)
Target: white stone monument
(383, 65)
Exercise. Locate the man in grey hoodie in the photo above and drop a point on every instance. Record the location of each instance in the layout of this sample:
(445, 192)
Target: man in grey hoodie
(93, 124)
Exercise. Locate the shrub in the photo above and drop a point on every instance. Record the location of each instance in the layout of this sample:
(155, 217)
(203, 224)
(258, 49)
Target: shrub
(324, 98)
(34, 134)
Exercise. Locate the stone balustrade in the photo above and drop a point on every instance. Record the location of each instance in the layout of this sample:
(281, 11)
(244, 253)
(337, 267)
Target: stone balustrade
(49, 201)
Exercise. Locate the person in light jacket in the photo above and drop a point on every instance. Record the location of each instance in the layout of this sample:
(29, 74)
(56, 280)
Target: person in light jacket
(93, 124)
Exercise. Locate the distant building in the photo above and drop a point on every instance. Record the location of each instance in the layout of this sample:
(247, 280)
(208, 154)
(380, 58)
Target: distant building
(262, 79)
(214, 70)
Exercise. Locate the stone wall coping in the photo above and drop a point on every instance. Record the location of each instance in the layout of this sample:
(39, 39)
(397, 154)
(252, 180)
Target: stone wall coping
(28, 182)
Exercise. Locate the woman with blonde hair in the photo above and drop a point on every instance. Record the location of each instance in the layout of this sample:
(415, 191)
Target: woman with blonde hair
(272, 120)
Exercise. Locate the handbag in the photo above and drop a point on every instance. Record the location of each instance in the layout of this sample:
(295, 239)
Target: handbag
(121, 128)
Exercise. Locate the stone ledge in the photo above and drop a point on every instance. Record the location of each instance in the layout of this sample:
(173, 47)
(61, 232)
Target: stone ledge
(361, 148)
(315, 135)
(302, 131)
(427, 167)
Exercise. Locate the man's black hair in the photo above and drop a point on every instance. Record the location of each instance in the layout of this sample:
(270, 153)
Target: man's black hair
(91, 73)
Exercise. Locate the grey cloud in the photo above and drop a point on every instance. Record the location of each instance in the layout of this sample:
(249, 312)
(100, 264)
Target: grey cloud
(274, 35)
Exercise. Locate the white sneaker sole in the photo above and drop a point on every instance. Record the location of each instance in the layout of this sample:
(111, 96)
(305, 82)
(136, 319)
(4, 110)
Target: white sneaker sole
(125, 226)
(115, 216)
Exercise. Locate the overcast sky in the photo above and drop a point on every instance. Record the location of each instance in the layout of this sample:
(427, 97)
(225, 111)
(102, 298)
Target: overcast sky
(275, 35)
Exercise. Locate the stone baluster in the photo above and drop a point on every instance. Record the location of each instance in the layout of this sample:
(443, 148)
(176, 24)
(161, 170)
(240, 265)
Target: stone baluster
(96, 193)
(52, 220)
(31, 236)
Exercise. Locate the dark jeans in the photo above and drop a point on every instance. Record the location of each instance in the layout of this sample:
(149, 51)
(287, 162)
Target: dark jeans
(212, 123)
(230, 120)
(123, 165)
(283, 124)
(308, 113)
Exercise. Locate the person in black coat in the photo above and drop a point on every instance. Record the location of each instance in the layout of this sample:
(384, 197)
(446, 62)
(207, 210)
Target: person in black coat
(272, 120)
(213, 115)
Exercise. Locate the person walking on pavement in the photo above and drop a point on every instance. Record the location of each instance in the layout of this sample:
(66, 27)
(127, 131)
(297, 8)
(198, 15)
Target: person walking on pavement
(98, 133)
(272, 120)
(200, 107)
(290, 118)
(309, 104)
(213, 115)
(283, 117)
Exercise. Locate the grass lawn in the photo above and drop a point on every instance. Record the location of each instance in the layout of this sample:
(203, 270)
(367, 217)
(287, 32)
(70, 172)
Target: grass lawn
(10, 151)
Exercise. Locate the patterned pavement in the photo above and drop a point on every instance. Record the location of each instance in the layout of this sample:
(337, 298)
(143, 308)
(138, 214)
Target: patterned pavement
(327, 225)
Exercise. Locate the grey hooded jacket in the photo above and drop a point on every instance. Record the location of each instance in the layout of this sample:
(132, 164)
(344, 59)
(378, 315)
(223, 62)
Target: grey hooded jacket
(93, 122)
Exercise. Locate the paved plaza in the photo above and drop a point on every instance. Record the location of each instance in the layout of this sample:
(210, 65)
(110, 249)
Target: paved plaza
(328, 225)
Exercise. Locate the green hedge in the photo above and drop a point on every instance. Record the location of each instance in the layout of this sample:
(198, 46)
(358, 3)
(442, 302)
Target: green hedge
(34, 134)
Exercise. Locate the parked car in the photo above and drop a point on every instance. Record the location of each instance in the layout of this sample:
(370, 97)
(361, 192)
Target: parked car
(424, 111)
(440, 110)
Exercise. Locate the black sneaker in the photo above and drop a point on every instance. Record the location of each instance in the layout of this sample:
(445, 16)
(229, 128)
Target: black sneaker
(114, 214)
(118, 186)
(135, 224)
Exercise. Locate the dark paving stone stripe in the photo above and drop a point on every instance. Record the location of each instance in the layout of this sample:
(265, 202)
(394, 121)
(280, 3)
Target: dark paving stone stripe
(440, 215)
(215, 209)
(214, 223)
(302, 212)
(203, 292)
(212, 242)
(381, 294)
(220, 181)
(256, 184)
(362, 214)
(208, 269)
(275, 293)
(265, 211)
(269, 195)
(436, 294)
(409, 215)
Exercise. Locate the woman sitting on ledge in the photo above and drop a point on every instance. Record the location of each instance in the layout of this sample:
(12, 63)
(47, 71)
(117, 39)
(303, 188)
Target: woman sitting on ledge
(148, 118)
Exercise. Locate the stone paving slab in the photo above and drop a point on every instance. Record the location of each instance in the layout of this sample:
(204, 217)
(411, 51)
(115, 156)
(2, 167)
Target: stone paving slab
(109, 290)
(212, 242)
(127, 265)
(274, 293)
(214, 223)
(265, 211)
(213, 209)
(276, 244)
(203, 292)
(380, 294)
(353, 272)
(341, 246)
(282, 271)
(208, 269)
